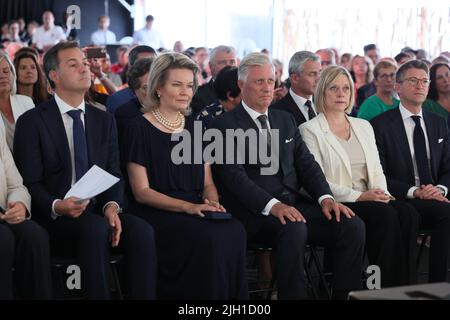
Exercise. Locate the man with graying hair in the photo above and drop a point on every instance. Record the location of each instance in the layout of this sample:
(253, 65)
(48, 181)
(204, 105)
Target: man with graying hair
(304, 74)
(270, 205)
(219, 58)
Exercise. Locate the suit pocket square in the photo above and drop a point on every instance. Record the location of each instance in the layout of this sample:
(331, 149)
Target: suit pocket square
(440, 140)
(289, 140)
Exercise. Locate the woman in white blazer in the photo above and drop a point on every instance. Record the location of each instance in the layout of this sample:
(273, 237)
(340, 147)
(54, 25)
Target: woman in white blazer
(345, 149)
(12, 105)
(24, 244)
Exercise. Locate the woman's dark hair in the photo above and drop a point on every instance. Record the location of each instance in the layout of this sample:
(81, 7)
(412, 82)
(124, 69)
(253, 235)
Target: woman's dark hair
(40, 93)
(226, 83)
(432, 92)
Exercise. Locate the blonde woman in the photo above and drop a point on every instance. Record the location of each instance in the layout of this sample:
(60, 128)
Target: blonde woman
(12, 105)
(198, 258)
(345, 149)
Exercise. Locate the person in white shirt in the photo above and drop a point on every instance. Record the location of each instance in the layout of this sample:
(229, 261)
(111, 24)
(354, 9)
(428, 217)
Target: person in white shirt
(103, 36)
(148, 36)
(48, 34)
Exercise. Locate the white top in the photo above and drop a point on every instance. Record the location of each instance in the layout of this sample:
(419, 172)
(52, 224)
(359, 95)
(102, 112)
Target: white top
(149, 37)
(409, 128)
(19, 105)
(300, 101)
(48, 37)
(100, 37)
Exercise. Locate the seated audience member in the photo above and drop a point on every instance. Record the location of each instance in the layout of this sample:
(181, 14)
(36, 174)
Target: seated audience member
(201, 56)
(148, 35)
(106, 69)
(438, 98)
(280, 86)
(402, 57)
(362, 73)
(304, 73)
(269, 203)
(103, 35)
(327, 58)
(346, 58)
(122, 60)
(30, 77)
(383, 99)
(54, 146)
(371, 51)
(12, 105)
(24, 244)
(346, 151)
(48, 34)
(219, 58)
(123, 96)
(198, 258)
(138, 83)
(228, 93)
(414, 149)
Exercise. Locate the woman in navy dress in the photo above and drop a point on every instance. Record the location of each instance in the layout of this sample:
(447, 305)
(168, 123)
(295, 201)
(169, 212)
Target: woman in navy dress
(198, 258)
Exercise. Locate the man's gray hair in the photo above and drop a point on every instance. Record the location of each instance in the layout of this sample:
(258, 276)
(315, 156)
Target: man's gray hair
(298, 60)
(251, 60)
(226, 49)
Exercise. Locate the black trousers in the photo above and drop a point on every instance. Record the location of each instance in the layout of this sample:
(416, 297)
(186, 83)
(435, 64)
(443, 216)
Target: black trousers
(344, 239)
(24, 246)
(88, 239)
(391, 235)
(435, 216)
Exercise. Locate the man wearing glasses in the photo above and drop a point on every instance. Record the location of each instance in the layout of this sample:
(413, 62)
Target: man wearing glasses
(415, 154)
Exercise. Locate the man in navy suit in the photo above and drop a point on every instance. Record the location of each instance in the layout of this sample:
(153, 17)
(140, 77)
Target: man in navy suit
(414, 151)
(304, 73)
(270, 205)
(54, 146)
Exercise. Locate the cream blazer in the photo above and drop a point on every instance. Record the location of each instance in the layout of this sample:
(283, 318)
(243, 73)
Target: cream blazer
(11, 184)
(335, 162)
(19, 104)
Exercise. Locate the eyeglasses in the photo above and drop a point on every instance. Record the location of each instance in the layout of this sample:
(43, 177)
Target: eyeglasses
(414, 81)
(386, 76)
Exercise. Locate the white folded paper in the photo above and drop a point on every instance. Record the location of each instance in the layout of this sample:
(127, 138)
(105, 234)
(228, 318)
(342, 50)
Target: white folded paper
(94, 182)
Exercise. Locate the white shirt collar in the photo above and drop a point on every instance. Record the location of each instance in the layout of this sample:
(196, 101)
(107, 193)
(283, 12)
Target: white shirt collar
(253, 114)
(64, 107)
(408, 114)
(299, 100)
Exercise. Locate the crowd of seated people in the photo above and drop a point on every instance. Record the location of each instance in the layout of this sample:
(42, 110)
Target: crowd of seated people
(361, 190)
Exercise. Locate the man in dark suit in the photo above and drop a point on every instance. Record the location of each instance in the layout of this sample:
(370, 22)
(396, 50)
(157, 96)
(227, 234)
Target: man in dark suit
(220, 57)
(54, 146)
(269, 205)
(414, 151)
(304, 74)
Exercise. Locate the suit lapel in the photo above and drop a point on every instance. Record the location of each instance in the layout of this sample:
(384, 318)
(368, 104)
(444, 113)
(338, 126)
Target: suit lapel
(244, 120)
(51, 116)
(294, 108)
(399, 134)
(432, 138)
(93, 134)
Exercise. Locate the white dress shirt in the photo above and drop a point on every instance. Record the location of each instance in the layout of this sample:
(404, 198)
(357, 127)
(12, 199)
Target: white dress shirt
(254, 115)
(300, 101)
(409, 128)
(48, 37)
(100, 37)
(148, 37)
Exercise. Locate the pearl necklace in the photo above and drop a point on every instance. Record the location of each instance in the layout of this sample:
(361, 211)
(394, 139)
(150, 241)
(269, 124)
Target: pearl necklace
(171, 125)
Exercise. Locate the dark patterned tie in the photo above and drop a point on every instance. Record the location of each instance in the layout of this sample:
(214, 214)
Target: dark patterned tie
(79, 144)
(263, 120)
(311, 113)
(420, 153)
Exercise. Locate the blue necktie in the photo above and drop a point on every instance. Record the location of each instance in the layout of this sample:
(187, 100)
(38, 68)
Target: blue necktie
(79, 144)
(420, 153)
